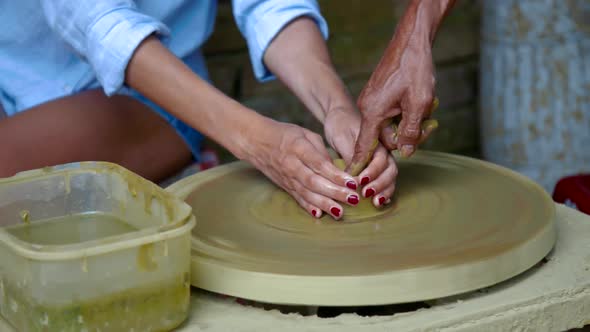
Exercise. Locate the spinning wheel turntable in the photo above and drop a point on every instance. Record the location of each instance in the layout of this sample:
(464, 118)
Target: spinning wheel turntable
(456, 224)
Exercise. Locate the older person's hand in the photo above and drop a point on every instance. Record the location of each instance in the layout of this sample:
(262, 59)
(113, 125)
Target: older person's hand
(401, 87)
(377, 180)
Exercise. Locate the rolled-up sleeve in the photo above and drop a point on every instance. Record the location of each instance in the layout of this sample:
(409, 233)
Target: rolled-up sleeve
(105, 33)
(261, 20)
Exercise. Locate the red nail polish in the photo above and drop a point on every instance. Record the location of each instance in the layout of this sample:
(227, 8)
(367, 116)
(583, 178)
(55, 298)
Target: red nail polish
(315, 213)
(335, 212)
(351, 185)
(369, 192)
(381, 200)
(353, 199)
(365, 180)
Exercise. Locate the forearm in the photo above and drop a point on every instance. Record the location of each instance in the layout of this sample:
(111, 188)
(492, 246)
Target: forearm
(416, 29)
(431, 14)
(163, 78)
(298, 56)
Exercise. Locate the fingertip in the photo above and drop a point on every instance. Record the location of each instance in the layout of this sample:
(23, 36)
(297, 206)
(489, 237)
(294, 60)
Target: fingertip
(365, 180)
(316, 213)
(407, 150)
(351, 184)
(336, 212)
(379, 200)
(408, 135)
(367, 142)
(340, 176)
(369, 192)
(352, 199)
(388, 135)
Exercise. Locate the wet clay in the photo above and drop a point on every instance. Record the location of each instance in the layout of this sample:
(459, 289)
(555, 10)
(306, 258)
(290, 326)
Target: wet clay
(455, 224)
(25, 216)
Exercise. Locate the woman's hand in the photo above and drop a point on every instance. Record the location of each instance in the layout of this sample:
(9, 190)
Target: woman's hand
(296, 159)
(299, 57)
(377, 180)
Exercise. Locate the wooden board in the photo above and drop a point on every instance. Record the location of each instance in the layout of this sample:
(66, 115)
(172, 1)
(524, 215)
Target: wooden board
(456, 224)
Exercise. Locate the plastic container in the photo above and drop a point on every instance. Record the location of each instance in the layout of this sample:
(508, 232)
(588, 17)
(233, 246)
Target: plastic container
(92, 247)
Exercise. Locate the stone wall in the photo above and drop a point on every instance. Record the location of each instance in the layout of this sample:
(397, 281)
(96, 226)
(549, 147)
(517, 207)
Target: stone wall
(359, 33)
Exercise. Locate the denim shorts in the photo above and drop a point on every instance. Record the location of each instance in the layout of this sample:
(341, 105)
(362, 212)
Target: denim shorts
(88, 81)
(192, 138)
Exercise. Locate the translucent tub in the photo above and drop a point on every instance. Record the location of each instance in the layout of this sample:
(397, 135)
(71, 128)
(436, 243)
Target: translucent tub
(92, 247)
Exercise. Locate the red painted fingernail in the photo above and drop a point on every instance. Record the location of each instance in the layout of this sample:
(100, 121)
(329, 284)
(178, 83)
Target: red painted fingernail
(365, 180)
(335, 212)
(351, 184)
(314, 212)
(353, 199)
(381, 200)
(369, 192)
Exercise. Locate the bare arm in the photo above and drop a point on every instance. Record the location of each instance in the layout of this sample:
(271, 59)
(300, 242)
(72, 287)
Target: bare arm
(403, 83)
(291, 156)
(115, 38)
(299, 58)
(163, 78)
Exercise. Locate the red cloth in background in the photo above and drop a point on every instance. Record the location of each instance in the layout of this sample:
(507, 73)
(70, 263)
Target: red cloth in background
(209, 159)
(574, 191)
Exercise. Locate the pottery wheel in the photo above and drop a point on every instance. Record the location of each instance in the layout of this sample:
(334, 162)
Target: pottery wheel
(456, 224)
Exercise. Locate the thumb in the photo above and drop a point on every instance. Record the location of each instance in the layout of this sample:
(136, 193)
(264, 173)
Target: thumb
(366, 143)
(409, 128)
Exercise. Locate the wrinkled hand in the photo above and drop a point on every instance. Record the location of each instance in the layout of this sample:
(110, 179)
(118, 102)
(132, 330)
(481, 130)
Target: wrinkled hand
(296, 159)
(341, 127)
(401, 86)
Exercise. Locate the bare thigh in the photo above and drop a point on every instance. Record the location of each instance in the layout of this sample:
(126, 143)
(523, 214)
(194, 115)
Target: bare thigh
(92, 127)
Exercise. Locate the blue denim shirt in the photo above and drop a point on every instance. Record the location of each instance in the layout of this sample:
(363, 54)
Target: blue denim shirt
(54, 48)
